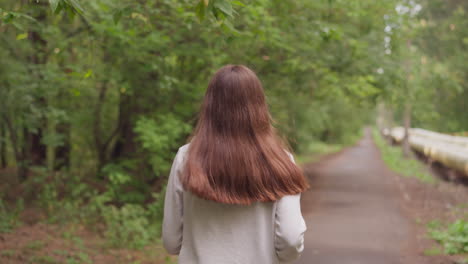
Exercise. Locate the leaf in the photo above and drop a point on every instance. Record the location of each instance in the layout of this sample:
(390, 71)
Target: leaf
(9, 17)
(22, 36)
(238, 3)
(54, 4)
(76, 5)
(230, 27)
(117, 16)
(71, 11)
(200, 10)
(139, 16)
(76, 92)
(88, 74)
(224, 6)
(59, 8)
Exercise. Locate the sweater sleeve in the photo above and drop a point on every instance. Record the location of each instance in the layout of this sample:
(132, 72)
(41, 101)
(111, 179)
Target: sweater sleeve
(172, 228)
(289, 228)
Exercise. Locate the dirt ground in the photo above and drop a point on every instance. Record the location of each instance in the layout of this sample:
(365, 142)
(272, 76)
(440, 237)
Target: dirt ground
(42, 243)
(358, 211)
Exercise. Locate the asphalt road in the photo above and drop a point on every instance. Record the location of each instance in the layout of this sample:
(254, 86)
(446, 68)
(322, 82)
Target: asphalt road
(353, 211)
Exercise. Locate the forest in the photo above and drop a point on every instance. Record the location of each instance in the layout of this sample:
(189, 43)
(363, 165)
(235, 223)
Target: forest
(97, 96)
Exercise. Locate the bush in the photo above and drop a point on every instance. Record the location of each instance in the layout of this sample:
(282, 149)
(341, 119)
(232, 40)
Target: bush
(123, 187)
(120, 214)
(9, 219)
(159, 137)
(129, 226)
(454, 238)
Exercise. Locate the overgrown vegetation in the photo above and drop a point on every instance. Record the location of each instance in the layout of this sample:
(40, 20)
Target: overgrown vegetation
(453, 237)
(9, 217)
(99, 95)
(124, 220)
(394, 159)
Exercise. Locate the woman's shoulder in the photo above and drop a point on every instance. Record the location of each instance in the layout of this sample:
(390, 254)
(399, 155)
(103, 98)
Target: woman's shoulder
(183, 149)
(290, 155)
(182, 152)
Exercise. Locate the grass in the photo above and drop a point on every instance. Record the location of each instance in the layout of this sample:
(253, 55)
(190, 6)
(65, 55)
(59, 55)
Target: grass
(9, 216)
(316, 150)
(434, 251)
(65, 244)
(393, 157)
(7, 253)
(43, 260)
(35, 245)
(453, 237)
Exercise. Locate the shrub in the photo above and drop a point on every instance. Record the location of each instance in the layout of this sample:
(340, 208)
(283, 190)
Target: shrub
(454, 238)
(9, 219)
(128, 226)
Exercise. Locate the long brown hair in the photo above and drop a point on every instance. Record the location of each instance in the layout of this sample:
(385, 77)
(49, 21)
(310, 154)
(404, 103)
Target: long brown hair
(235, 155)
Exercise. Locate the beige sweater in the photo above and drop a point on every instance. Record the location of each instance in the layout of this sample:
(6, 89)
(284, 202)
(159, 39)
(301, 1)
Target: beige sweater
(206, 232)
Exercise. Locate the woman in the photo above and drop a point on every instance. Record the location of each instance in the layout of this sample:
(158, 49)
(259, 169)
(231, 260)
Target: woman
(233, 191)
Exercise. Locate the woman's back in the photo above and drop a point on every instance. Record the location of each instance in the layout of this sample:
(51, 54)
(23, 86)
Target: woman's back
(223, 233)
(233, 192)
(208, 232)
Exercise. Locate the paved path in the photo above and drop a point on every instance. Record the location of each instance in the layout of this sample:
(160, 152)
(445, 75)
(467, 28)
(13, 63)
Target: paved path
(353, 211)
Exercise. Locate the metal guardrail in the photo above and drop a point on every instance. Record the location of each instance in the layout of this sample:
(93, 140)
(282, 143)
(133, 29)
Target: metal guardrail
(452, 151)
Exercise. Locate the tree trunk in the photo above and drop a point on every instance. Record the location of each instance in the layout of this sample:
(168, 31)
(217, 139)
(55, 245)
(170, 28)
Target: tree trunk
(407, 125)
(102, 143)
(37, 151)
(3, 153)
(62, 153)
(19, 153)
(407, 113)
(98, 137)
(125, 143)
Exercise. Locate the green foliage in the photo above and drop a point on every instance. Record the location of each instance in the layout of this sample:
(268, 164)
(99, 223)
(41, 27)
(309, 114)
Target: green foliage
(428, 47)
(121, 85)
(43, 260)
(393, 158)
(9, 217)
(433, 251)
(128, 226)
(79, 258)
(7, 253)
(35, 245)
(453, 238)
(131, 225)
(316, 150)
(9, 17)
(72, 6)
(48, 198)
(218, 10)
(159, 137)
(121, 186)
(123, 216)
